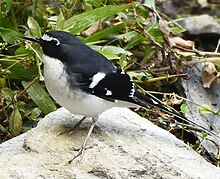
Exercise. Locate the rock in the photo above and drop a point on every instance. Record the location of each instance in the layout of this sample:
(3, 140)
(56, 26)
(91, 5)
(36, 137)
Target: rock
(203, 30)
(193, 90)
(201, 24)
(123, 145)
(174, 8)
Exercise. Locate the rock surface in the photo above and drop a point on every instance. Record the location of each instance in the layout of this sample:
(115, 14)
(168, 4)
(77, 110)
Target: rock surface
(203, 30)
(123, 145)
(194, 91)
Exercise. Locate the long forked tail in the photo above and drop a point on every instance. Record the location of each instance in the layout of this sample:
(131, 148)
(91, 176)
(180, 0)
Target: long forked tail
(146, 100)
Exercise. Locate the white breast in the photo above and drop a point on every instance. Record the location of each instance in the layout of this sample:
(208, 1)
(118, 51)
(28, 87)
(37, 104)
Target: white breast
(76, 101)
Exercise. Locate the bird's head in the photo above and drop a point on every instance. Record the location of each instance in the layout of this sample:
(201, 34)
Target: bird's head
(52, 42)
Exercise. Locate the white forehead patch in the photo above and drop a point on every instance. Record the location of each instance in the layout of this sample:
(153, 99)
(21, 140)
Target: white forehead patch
(96, 78)
(49, 38)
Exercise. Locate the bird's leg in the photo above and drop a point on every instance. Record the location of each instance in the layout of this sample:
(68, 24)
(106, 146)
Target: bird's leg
(83, 147)
(72, 129)
(77, 124)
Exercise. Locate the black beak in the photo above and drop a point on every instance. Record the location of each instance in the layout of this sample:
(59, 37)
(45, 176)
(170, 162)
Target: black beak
(34, 39)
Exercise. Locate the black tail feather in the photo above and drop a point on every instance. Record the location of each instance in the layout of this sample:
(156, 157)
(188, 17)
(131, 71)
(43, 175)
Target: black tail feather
(146, 100)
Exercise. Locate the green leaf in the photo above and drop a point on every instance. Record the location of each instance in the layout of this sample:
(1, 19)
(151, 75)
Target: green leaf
(122, 62)
(177, 30)
(110, 52)
(9, 35)
(127, 36)
(204, 135)
(60, 21)
(135, 40)
(108, 55)
(149, 52)
(150, 4)
(7, 94)
(203, 109)
(8, 5)
(34, 27)
(156, 33)
(77, 24)
(3, 82)
(35, 113)
(22, 50)
(16, 70)
(184, 108)
(108, 31)
(15, 122)
(113, 49)
(40, 97)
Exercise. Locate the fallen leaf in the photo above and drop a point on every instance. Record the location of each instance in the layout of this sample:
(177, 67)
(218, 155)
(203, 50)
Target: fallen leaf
(209, 74)
(181, 43)
(163, 25)
(96, 27)
(172, 99)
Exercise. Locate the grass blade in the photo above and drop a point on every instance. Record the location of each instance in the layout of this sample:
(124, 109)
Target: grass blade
(40, 97)
(77, 24)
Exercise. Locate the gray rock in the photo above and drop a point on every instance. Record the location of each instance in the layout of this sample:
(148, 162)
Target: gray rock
(201, 24)
(123, 145)
(203, 30)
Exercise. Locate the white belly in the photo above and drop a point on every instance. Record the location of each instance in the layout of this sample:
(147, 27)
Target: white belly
(76, 102)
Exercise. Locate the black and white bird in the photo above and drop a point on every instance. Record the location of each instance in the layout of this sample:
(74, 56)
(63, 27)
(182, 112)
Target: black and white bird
(87, 83)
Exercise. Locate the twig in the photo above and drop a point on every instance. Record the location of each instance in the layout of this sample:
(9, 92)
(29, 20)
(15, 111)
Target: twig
(185, 99)
(159, 78)
(38, 63)
(24, 90)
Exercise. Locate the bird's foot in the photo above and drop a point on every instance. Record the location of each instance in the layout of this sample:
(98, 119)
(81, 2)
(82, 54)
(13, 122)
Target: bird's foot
(80, 152)
(83, 147)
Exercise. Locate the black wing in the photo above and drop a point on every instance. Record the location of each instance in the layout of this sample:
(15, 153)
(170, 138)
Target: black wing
(85, 60)
(84, 64)
(115, 86)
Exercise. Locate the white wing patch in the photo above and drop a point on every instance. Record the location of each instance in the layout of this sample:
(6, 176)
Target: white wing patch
(108, 93)
(96, 78)
(49, 38)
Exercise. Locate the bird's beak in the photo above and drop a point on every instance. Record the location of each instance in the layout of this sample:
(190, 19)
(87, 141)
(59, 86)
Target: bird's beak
(34, 39)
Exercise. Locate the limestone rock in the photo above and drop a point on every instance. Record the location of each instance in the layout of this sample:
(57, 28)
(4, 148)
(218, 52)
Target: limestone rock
(123, 145)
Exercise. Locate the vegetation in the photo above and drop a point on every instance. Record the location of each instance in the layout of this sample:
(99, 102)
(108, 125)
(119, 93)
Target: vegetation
(134, 36)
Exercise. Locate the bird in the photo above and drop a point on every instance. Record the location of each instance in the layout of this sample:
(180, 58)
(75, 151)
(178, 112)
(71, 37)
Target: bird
(86, 83)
